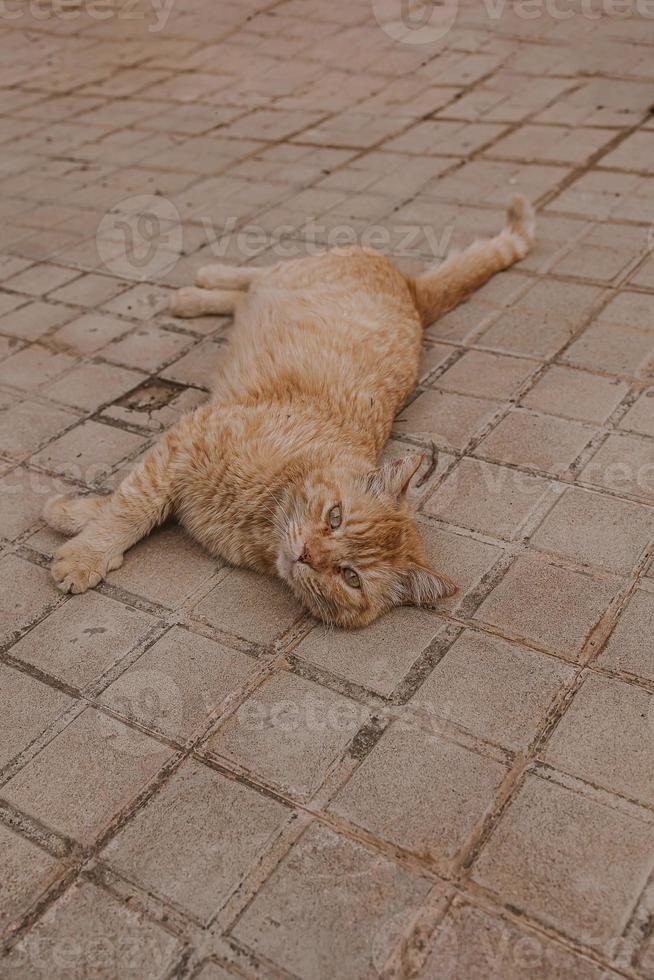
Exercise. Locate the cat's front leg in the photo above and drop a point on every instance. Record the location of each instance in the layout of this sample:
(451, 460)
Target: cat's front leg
(142, 501)
(79, 565)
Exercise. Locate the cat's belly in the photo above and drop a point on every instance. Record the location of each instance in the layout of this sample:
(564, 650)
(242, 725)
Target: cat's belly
(359, 369)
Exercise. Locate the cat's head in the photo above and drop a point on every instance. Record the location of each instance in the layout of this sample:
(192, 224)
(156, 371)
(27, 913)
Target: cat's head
(350, 548)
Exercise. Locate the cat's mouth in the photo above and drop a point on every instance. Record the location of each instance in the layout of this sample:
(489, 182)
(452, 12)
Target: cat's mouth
(297, 573)
(287, 564)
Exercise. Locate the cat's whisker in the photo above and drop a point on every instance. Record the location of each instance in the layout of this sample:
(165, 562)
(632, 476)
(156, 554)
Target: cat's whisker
(276, 521)
(322, 603)
(280, 517)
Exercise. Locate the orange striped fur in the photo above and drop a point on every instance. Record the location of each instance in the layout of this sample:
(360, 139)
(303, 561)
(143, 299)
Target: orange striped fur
(323, 354)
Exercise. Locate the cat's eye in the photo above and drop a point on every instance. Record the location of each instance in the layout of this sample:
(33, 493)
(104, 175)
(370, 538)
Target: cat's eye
(352, 578)
(335, 517)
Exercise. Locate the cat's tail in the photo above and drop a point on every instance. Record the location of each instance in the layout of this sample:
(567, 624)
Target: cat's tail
(438, 290)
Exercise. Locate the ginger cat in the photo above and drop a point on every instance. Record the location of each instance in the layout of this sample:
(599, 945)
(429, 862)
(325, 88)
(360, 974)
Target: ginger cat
(278, 471)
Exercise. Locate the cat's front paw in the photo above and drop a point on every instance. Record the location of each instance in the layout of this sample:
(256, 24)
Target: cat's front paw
(78, 567)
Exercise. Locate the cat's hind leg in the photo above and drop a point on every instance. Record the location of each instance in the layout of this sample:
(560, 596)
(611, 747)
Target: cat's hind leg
(189, 301)
(226, 276)
(143, 500)
(439, 290)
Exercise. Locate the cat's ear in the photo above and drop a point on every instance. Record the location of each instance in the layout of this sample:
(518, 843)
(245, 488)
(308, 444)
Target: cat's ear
(422, 586)
(394, 478)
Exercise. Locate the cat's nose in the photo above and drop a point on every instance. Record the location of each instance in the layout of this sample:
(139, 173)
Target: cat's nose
(311, 556)
(305, 557)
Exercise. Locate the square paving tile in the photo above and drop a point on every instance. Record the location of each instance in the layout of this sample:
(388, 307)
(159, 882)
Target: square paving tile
(647, 960)
(88, 333)
(27, 871)
(448, 419)
(624, 464)
(178, 682)
(575, 394)
(40, 278)
(290, 731)
(165, 567)
(621, 350)
(556, 144)
(496, 690)
(27, 709)
(377, 657)
(196, 839)
(33, 367)
(86, 933)
(91, 385)
(89, 452)
(431, 358)
(644, 275)
(571, 862)
(486, 375)
(463, 321)
(83, 638)
(28, 425)
(634, 153)
(536, 441)
(89, 290)
(86, 775)
(640, 417)
(22, 496)
(495, 500)
(472, 943)
(28, 593)
(331, 908)
(197, 367)
(35, 319)
(550, 606)
(631, 644)
(596, 529)
(621, 339)
(463, 559)
(213, 971)
(604, 254)
(543, 320)
(606, 737)
(140, 302)
(147, 348)
(252, 606)
(420, 791)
